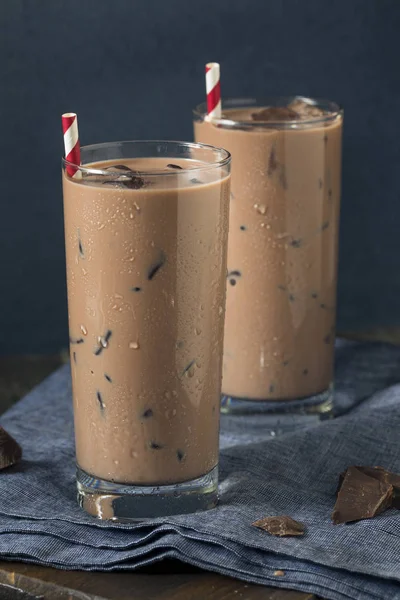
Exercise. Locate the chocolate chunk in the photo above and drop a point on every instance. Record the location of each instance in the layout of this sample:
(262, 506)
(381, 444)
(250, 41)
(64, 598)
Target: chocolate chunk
(361, 497)
(74, 356)
(271, 388)
(330, 194)
(285, 363)
(305, 371)
(234, 274)
(306, 109)
(76, 340)
(195, 180)
(382, 475)
(325, 139)
(243, 228)
(281, 526)
(172, 166)
(10, 450)
(320, 183)
(153, 270)
(108, 377)
(324, 225)
(272, 162)
(291, 298)
(188, 367)
(136, 289)
(322, 305)
(232, 281)
(282, 288)
(275, 113)
(100, 400)
(314, 295)
(80, 246)
(118, 167)
(103, 342)
(156, 446)
(180, 455)
(147, 413)
(296, 243)
(129, 178)
(135, 182)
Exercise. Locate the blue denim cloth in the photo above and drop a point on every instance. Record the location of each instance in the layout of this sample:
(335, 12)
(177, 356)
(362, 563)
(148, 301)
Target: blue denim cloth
(295, 473)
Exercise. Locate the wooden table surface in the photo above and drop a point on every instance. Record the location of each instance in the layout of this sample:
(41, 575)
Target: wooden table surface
(168, 580)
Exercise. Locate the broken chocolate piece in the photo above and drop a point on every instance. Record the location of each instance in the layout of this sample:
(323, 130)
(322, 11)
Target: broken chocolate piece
(195, 180)
(306, 109)
(100, 401)
(135, 182)
(180, 455)
(188, 367)
(80, 246)
(172, 166)
(147, 413)
(280, 526)
(156, 446)
(275, 113)
(156, 266)
(361, 497)
(136, 289)
(76, 340)
(128, 178)
(234, 274)
(108, 377)
(103, 343)
(10, 450)
(296, 243)
(118, 167)
(243, 228)
(382, 475)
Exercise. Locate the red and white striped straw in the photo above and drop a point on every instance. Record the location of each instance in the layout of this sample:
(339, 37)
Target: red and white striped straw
(71, 143)
(213, 90)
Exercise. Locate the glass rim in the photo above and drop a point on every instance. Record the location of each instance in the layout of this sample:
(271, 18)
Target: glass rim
(335, 111)
(224, 161)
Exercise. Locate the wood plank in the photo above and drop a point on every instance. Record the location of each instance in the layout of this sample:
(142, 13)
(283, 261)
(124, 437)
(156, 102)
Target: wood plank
(161, 584)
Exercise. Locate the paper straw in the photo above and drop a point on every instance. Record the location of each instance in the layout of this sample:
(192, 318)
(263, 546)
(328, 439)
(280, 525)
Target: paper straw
(71, 143)
(213, 90)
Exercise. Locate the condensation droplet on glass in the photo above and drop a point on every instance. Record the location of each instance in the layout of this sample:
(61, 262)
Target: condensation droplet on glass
(84, 330)
(134, 345)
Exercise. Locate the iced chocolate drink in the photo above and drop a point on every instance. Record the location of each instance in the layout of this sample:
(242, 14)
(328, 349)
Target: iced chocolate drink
(146, 237)
(282, 250)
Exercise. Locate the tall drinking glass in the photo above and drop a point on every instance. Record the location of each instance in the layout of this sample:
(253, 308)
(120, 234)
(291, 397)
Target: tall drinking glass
(146, 227)
(282, 252)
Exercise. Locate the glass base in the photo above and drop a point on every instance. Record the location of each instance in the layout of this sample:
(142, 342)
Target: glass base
(283, 412)
(125, 503)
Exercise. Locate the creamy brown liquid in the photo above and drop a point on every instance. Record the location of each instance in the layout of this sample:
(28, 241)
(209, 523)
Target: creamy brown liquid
(282, 256)
(146, 290)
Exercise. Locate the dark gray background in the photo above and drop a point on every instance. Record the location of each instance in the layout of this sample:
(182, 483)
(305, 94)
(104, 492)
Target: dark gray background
(134, 69)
